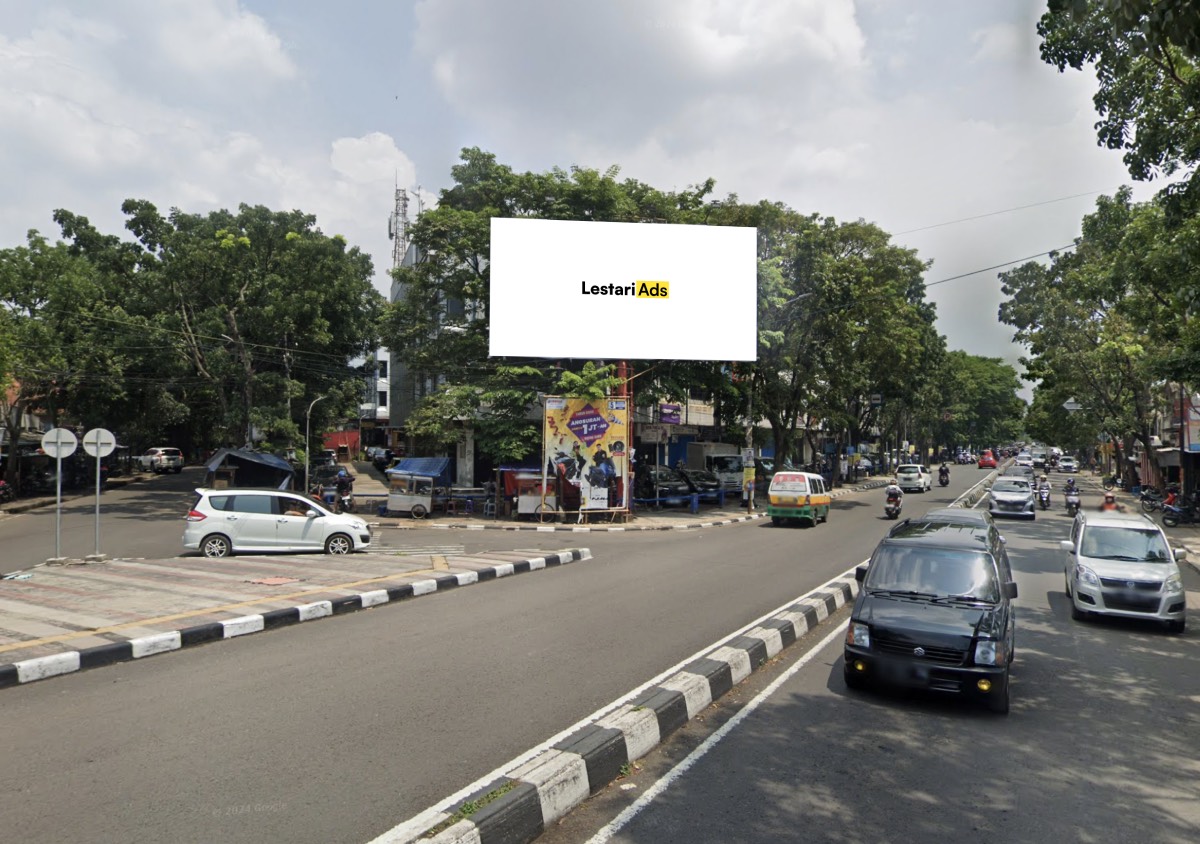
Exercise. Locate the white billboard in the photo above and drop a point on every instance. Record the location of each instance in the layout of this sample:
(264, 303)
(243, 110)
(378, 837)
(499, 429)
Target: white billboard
(572, 289)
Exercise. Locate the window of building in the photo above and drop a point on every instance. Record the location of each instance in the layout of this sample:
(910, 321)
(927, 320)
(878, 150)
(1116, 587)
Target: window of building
(382, 398)
(382, 368)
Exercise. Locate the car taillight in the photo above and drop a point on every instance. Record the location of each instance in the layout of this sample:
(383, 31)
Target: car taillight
(195, 516)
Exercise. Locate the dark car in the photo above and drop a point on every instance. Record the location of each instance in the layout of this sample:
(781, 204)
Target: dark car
(662, 482)
(701, 481)
(934, 612)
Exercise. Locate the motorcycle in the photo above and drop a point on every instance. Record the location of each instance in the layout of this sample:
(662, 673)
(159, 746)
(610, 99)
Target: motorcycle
(944, 478)
(1174, 516)
(891, 507)
(6, 493)
(1072, 503)
(1044, 497)
(345, 502)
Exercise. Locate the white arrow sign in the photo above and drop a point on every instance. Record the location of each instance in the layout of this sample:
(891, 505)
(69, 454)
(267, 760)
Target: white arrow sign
(99, 443)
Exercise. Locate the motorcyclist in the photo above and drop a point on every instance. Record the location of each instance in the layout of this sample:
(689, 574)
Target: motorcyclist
(944, 472)
(893, 493)
(1110, 502)
(344, 485)
(1070, 488)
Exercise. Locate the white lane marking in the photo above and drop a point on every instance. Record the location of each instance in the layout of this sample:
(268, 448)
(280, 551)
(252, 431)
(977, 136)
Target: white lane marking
(635, 808)
(417, 825)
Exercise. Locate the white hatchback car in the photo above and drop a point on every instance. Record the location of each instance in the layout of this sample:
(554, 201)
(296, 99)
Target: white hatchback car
(913, 477)
(1121, 564)
(227, 521)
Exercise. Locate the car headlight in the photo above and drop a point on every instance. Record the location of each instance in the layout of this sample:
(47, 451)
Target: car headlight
(858, 634)
(1173, 584)
(989, 652)
(1086, 575)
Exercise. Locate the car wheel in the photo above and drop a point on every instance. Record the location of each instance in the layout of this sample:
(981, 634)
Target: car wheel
(1177, 627)
(418, 511)
(339, 543)
(776, 520)
(999, 703)
(216, 545)
(180, 469)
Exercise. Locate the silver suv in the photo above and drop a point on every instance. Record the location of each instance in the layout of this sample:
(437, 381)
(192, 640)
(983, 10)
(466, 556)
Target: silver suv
(162, 459)
(223, 522)
(1121, 564)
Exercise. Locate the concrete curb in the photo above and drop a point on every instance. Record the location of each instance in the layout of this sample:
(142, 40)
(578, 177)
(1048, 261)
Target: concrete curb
(539, 791)
(632, 528)
(39, 668)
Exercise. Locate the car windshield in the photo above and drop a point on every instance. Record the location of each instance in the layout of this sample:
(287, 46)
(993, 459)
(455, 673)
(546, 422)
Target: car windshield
(1010, 486)
(1124, 543)
(908, 470)
(933, 573)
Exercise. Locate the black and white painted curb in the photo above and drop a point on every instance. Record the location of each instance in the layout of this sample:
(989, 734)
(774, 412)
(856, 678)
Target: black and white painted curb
(39, 668)
(518, 805)
(632, 528)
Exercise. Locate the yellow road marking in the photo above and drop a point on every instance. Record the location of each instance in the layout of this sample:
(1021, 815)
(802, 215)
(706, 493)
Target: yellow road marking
(66, 637)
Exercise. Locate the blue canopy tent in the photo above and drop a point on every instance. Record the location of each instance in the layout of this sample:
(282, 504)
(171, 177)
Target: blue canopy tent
(235, 467)
(437, 468)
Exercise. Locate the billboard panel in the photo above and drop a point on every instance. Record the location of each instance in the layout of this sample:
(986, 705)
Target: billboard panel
(587, 448)
(571, 289)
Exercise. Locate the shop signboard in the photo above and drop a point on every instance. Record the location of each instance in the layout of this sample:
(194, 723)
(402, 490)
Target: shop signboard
(668, 414)
(601, 290)
(586, 444)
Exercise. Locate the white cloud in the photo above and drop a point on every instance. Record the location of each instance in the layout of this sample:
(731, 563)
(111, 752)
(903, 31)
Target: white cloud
(999, 42)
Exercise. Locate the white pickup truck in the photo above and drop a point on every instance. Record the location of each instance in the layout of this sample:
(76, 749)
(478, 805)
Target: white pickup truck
(162, 459)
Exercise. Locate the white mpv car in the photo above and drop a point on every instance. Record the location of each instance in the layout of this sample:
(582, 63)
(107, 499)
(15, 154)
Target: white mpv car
(1120, 564)
(227, 521)
(913, 477)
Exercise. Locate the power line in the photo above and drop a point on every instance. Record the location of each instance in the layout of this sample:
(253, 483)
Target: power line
(998, 266)
(997, 213)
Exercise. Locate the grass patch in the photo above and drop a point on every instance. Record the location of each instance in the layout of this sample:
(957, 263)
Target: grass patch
(470, 807)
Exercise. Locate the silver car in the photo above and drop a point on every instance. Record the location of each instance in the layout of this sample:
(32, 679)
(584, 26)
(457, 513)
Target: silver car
(223, 522)
(1121, 564)
(913, 477)
(1012, 496)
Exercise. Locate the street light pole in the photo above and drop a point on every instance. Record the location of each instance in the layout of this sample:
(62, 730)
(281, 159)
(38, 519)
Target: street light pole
(307, 449)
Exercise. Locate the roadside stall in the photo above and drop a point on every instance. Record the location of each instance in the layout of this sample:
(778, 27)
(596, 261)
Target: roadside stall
(532, 496)
(409, 493)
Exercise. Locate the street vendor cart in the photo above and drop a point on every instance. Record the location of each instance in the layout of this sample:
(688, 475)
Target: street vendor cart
(532, 497)
(409, 493)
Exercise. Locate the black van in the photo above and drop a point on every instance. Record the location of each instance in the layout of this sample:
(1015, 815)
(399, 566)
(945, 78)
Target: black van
(934, 612)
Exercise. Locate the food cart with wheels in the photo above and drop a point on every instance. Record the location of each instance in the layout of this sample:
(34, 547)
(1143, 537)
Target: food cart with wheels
(532, 497)
(410, 493)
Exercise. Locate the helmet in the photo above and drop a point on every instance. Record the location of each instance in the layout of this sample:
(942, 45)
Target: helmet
(1108, 496)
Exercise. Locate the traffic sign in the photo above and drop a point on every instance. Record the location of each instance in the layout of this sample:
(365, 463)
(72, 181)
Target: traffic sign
(59, 442)
(99, 443)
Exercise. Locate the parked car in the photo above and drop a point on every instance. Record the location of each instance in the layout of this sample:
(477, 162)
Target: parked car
(912, 477)
(1121, 564)
(701, 480)
(162, 459)
(934, 612)
(1012, 496)
(662, 482)
(223, 522)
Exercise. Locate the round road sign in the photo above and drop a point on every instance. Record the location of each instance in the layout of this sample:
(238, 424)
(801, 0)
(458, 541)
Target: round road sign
(99, 443)
(59, 442)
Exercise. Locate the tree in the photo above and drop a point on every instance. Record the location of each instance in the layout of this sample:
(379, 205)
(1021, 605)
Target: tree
(1145, 55)
(58, 349)
(249, 311)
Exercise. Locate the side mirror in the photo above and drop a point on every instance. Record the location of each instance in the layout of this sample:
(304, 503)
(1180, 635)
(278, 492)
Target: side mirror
(1010, 590)
(860, 573)
(1067, 545)
(312, 514)
(1180, 555)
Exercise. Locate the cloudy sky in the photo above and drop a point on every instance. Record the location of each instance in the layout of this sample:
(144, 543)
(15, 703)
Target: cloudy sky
(927, 118)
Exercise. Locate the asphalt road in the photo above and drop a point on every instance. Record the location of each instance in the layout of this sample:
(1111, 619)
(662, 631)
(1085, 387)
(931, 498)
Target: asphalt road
(338, 730)
(1101, 744)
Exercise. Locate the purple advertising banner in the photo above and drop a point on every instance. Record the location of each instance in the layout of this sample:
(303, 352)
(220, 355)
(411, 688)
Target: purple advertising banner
(668, 414)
